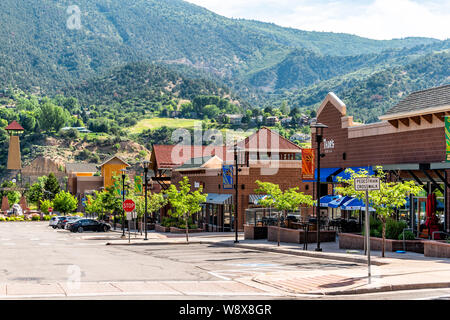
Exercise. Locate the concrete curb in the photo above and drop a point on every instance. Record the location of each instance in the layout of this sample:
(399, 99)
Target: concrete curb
(319, 255)
(387, 288)
(159, 243)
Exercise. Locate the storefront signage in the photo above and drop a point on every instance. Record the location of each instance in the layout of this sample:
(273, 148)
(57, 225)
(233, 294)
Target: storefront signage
(367, 184)
(308, 164)
(328, 144)
(227, 173)
(447, 138)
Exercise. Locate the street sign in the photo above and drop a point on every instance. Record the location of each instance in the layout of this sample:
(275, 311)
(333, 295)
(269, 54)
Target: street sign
(50, 210)
(367, 184)
(129, 205)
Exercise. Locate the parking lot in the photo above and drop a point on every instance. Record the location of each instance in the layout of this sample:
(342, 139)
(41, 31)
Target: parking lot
(40, 262)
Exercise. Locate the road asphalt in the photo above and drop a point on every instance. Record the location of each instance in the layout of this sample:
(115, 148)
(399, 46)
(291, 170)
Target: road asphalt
(41, 263)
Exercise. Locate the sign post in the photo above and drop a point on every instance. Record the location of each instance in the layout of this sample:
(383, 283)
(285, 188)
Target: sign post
(367, 184)
(129, 206)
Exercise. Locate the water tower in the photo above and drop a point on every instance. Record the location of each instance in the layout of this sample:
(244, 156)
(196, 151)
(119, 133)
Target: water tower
(14, 161)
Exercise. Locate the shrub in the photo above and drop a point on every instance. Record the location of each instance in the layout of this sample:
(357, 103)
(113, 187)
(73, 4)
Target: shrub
(11, 219)
(394, 228)
(36, 217)
(20, 219)
(408, 236)
(169, 222)
(47, 217)
(2, 219)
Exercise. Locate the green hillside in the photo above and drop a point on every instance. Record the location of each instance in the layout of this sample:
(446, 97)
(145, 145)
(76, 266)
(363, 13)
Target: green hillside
(38, 50)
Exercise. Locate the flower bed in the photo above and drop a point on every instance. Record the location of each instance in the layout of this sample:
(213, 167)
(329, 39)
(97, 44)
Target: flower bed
(160, 228)
(438, 249)
(298, 235)
(356, 242)
(179, 230)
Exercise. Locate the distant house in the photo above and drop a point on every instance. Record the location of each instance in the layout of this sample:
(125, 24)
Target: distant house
(271, 121)
(175, 114)
(286, 121)
(79, 129)
(301, 137)
(235, 119)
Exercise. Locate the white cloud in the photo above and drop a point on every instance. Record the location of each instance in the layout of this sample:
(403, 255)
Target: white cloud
(376, 19)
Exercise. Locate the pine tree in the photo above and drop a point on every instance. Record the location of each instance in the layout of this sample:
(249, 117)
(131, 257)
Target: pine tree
(51, 187)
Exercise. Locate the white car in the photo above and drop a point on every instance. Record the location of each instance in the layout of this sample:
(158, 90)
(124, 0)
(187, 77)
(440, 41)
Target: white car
(54, 221)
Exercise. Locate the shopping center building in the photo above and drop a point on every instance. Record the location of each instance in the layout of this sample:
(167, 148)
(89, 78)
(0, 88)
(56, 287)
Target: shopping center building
(264, 156)
(409, 143)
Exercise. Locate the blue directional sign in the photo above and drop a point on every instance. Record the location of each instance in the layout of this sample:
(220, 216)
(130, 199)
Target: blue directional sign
(227, 173)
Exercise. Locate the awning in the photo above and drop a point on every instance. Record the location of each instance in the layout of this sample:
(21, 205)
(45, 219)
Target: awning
(346, 175)
(330, 174)
(215, 198)
(324, 174)
(255, 198)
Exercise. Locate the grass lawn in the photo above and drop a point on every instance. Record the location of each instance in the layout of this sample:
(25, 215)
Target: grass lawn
(155, 123)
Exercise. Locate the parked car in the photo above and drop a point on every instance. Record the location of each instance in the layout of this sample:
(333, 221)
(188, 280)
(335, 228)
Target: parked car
(54, 221)
(82, 225)
(62, 223)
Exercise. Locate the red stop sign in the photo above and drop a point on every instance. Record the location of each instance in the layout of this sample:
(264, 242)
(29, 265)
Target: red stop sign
(129, 205)
(50, 210)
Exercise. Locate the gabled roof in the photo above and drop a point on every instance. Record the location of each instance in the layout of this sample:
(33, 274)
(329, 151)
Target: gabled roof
(430, 100)
(335, 101)
(14, 126)
(81, 167)
(112, 158)
(268, 140)
(171, 156)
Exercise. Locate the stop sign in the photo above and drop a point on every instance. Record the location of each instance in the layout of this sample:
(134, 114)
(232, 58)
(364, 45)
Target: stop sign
(129, 205)
(50, 210)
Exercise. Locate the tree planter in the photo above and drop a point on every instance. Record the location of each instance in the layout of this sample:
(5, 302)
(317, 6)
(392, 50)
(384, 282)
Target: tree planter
(438, 249)
(160, 228)
(298, 235)
(356, 242)
(183, 231)
(255, 233)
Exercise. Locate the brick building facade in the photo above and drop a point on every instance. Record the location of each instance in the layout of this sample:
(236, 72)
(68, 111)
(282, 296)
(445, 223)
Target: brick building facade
(409, 141)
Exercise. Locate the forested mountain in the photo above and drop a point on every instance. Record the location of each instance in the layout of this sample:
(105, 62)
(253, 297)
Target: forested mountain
(260, 62)
(143, 82)
(369, 96)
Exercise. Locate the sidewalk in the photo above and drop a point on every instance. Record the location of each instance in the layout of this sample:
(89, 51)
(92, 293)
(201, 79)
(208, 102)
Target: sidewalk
(394, 272)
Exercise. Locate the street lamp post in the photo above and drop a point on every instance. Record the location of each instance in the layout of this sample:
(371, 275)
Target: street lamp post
(319, 136)
(123, 200)
(146, 164)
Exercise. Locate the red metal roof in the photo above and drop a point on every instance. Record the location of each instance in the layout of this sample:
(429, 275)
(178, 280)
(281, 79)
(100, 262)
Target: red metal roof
(14, 126)
(170, 156)
(268, 140)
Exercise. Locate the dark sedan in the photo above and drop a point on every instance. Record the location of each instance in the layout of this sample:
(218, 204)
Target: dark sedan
(88, 225)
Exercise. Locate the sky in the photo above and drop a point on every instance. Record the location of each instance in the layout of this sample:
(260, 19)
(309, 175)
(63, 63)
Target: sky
(375, 19)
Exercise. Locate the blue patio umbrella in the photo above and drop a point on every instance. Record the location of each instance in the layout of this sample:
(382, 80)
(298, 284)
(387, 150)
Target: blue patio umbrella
(325, 200)
(336, 203)
(355, 204)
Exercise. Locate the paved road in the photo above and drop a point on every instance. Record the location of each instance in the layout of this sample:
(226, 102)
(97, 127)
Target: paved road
(39, 262)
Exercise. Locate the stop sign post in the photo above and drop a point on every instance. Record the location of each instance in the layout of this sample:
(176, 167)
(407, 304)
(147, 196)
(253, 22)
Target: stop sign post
(128, 205)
